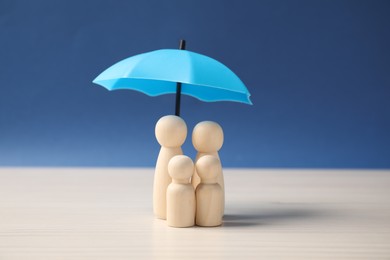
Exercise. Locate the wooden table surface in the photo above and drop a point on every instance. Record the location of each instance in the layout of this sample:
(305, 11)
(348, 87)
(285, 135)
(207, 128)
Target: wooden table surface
(270, 214)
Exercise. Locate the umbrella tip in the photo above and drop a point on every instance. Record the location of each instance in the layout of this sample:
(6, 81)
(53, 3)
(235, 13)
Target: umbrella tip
(249, 101)
(182, 45)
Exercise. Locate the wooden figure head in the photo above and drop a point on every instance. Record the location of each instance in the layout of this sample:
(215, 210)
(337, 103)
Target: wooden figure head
(171, 131)
(207, 137)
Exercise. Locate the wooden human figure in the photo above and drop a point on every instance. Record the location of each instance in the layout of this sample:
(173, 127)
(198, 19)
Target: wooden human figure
(171, 132)
(181, 203)
(209, 194)
(207, 138)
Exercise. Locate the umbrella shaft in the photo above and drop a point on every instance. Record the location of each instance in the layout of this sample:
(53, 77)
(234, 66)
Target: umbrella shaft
(178, 96)
(182, 46)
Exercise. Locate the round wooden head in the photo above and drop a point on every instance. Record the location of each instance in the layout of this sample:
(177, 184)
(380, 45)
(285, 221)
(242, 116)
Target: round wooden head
(208, 168)
(181, 168)
(171, 131)
(207, 137)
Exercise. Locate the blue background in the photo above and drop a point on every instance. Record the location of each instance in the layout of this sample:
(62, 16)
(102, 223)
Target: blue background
(318, 72)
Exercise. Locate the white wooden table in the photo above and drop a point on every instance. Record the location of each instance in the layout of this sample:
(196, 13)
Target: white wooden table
(270, 214)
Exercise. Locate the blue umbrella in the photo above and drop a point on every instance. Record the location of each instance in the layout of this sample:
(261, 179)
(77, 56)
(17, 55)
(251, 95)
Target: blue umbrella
(170, 71)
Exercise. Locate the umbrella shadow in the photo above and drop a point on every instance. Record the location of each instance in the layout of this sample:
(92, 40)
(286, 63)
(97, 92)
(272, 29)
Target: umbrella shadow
(271, 217)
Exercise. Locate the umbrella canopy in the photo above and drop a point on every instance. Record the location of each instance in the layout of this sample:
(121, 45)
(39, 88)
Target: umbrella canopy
(158, 72)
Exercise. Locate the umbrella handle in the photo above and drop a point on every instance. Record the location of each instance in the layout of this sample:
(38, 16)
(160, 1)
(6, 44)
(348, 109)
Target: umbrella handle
(182, 46)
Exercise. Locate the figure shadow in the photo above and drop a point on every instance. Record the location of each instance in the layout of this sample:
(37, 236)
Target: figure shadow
(271, 216)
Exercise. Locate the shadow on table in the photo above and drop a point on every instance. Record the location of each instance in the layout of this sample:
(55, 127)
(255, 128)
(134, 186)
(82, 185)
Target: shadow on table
(270, 217)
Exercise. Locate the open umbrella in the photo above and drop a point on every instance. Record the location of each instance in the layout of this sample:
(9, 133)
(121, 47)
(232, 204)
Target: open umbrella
(175, 71)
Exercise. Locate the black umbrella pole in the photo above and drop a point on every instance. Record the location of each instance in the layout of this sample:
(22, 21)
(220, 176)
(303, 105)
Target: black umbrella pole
(178, 97)
(182, 46)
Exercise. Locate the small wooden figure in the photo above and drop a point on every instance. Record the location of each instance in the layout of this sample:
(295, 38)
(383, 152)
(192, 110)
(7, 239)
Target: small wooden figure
(209, 194)
(181, 203)
(207, 138)
(171, 132)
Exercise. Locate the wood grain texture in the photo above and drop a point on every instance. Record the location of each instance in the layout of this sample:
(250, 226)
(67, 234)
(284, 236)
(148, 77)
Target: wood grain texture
(270, 214)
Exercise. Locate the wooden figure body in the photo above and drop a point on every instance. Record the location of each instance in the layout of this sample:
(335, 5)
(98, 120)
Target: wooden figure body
(171, 132)
(207, 138)
(209, 194)
(181, 202)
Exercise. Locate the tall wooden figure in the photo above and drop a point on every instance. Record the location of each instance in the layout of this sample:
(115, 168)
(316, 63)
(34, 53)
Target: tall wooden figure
(207, 138)
(171, 132)
(180, 193)
(209, 194)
